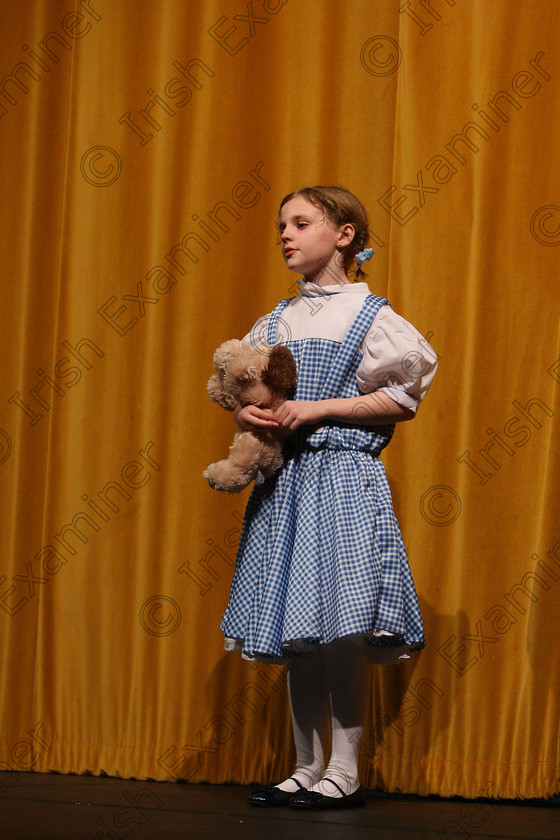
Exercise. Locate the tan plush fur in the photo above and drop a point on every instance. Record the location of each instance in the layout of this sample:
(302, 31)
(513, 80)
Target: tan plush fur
(246, 375)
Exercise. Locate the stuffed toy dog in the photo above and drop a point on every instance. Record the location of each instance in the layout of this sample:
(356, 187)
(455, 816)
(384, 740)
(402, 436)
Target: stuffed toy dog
(245, 375)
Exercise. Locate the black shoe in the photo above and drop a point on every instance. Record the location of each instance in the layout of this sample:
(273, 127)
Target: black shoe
(271, 796)
(314, 801)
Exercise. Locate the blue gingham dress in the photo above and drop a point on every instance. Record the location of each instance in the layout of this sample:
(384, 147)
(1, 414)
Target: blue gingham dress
(320, 553)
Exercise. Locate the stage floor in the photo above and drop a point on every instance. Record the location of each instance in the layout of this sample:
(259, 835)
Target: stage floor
(43, 806)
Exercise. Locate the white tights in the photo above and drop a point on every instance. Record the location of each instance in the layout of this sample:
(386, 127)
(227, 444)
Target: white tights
(330, 683)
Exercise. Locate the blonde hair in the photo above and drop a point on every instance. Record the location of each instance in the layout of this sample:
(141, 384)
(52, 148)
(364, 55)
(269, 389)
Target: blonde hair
(342, 208)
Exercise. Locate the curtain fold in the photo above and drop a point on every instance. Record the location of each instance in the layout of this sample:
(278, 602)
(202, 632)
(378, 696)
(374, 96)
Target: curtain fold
(145, 149)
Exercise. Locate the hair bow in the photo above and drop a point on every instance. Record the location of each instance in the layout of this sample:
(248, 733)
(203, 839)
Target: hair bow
(364, 255)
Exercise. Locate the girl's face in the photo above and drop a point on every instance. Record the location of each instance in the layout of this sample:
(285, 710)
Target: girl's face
(311, 243)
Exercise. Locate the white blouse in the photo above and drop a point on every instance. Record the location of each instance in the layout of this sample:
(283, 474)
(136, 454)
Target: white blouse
(396, 358)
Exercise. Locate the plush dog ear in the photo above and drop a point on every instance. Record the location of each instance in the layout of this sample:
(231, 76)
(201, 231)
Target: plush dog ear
(222, 360)
(215, 387)
(280, 374)
(218, 394)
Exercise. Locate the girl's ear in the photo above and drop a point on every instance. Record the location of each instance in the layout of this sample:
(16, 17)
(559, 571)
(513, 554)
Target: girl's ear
(347, 233)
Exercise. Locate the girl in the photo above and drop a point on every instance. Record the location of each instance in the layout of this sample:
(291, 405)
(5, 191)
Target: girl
(322, 582)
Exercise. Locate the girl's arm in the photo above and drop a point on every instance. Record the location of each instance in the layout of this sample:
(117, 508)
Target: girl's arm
(375, 409)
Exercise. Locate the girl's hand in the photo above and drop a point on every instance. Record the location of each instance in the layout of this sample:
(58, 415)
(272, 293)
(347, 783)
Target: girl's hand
(295, 413)
(251, 418)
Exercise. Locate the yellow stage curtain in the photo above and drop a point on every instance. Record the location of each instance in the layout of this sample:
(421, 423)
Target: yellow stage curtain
(145, 148)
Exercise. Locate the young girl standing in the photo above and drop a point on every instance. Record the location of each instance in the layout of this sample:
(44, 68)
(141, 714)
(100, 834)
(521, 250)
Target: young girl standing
(322, 582)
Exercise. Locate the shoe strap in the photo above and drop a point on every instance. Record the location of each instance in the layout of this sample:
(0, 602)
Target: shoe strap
(301, 787)
(335, 784)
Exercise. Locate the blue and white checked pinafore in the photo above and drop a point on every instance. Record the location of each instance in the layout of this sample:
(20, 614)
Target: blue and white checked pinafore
(320, 553)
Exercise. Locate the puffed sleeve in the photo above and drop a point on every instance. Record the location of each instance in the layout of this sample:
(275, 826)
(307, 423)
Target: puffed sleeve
(258, 335)
(397, 359)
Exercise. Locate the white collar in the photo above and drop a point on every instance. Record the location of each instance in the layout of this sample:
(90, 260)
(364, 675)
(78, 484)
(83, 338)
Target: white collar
(313, 289)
